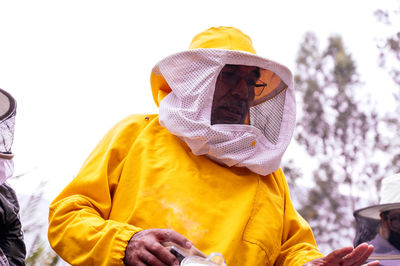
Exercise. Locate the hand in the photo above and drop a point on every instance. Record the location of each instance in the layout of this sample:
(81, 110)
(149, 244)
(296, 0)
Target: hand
(145, 248)
(347, 256)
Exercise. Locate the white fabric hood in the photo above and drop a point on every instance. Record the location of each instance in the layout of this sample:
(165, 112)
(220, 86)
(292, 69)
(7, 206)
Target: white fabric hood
(186, 110)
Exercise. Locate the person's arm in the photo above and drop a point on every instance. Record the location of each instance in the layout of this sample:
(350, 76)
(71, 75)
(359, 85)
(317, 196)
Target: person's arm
(297, 243)
(11, 237)
(79, 228)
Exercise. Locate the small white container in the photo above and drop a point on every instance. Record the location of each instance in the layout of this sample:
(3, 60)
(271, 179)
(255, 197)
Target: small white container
(214, 259)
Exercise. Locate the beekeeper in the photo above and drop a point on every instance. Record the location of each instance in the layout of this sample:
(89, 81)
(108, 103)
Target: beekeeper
(384, 234)
(12, 246)
(203, 173)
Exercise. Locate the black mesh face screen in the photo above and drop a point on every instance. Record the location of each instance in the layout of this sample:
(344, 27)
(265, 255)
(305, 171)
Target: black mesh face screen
(7, 121)
(267, 117)
(235, 90)
(366, 229)
(249, 95)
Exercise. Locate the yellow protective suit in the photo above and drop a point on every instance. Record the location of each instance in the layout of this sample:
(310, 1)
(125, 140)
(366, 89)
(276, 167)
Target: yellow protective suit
(140, 176)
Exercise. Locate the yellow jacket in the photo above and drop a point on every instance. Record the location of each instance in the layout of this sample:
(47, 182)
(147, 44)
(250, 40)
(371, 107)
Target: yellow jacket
(140, 176)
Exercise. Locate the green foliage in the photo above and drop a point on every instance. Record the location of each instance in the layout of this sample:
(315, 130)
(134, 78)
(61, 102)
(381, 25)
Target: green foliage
(339, 129)
(40, 254)
(36, 253)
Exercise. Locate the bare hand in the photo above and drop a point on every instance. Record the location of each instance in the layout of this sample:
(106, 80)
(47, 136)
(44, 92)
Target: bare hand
(145, 248)
(347, 256)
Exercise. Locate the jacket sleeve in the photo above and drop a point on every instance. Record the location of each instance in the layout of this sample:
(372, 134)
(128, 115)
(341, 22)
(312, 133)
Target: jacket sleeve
(297, 244)
(11, 237)
(79, 228)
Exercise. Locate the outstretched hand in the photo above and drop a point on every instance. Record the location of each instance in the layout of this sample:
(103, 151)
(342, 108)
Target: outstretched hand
(347, 256)
(145, 248)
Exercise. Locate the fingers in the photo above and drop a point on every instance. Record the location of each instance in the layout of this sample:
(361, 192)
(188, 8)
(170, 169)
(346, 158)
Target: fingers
(150, 259)
(359, 255)
(138, 263)
(348, 256)
(337, 255)
(166, 235)
(146, 247)
(162, 254)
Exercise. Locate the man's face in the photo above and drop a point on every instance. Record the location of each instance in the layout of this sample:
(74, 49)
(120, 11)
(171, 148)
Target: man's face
(394, 220)
(234, 93)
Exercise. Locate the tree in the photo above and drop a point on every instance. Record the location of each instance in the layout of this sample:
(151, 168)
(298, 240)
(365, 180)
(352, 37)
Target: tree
(389, 59)
(338, 130)
(389, 56)
(38, 249)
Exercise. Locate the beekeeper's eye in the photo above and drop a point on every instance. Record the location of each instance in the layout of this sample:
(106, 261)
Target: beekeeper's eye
(259, 88)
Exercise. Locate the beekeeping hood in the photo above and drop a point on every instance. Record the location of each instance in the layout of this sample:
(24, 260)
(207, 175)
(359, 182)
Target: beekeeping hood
(368, 218)
(7, 120)
(183, 86)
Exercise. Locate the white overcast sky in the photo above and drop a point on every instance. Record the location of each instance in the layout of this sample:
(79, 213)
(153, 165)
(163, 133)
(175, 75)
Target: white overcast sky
(78, 67)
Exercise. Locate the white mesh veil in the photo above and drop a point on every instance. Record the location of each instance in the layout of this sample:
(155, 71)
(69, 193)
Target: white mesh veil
(7, 120)
(186, 111)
